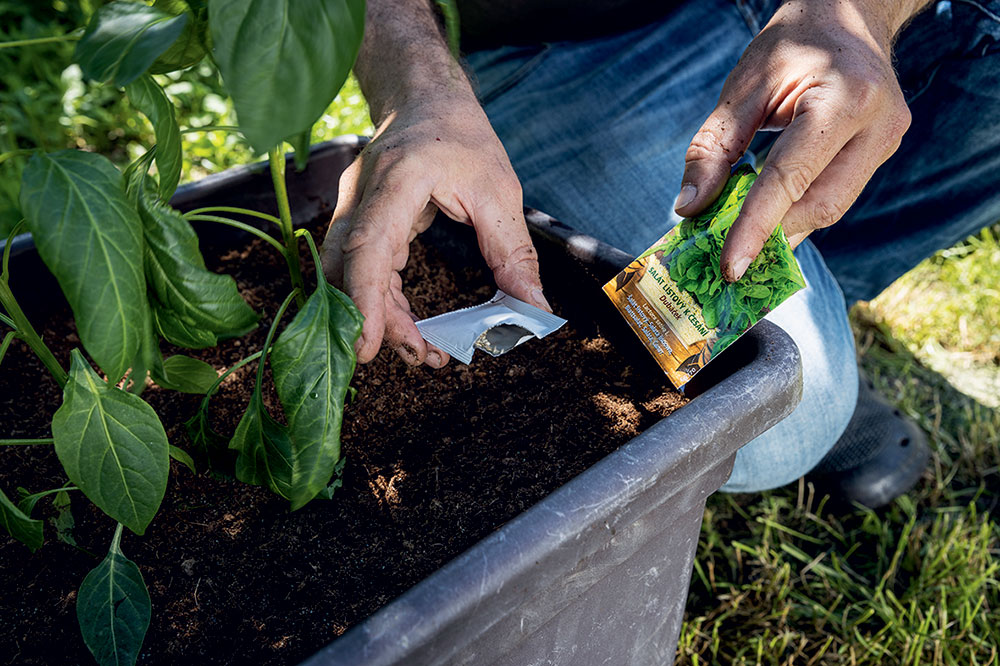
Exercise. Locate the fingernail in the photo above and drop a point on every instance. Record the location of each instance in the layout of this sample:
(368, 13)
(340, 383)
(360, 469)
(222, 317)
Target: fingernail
(434, 359)
(539, 299)
(739, 267)
(687, 195)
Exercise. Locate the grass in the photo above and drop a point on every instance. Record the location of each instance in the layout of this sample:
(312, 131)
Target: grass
(783, 579)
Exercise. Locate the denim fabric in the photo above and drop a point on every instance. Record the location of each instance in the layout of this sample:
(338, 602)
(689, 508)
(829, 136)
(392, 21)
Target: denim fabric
(597, 130)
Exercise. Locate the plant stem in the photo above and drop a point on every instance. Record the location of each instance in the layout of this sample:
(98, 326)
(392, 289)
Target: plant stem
(218, 382)
(320, 277)
(6, 248)
(239, 225)
(68, 37)
(237, 211)
(26, 442)
(277, 164)
(7, 339)
(270, 337)
(7, 320)
(212, 128)
(27, 333)
(15, 153)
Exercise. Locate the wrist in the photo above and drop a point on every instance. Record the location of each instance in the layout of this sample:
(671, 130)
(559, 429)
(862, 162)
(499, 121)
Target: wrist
(877, 21)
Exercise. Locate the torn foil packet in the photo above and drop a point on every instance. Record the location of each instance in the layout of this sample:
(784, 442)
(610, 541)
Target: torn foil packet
(495, 327)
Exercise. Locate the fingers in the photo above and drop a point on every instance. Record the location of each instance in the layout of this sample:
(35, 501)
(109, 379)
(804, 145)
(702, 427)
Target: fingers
(719, 144)
(379, 226)
(836, 189)
(506, 245)
(812, 140)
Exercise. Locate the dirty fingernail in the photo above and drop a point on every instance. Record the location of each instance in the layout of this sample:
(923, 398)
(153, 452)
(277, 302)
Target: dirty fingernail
(538, 298)
(686, 196)
(739, 267)
(434, 359)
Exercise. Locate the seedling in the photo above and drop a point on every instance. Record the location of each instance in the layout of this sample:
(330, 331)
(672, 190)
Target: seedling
(131, 269)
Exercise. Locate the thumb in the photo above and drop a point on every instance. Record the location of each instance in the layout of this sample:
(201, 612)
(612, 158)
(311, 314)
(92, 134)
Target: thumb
(506, 245)
(715, 148)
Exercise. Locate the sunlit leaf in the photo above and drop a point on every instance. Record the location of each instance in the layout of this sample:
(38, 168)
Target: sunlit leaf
(284, 61)
(147, 96)
(312, 363)
(123, 39)
(89, 236)
(112, 446)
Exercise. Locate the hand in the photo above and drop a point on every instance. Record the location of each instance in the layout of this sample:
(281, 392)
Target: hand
(821, 72)
(429, 156)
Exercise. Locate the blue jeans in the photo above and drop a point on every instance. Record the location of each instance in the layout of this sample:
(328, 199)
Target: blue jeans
(597, 131)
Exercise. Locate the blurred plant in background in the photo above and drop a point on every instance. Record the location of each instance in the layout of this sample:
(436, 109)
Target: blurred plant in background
(45, 103)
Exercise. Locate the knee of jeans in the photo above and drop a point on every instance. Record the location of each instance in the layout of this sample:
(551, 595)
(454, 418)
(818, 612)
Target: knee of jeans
(795, 445)
(817, 321)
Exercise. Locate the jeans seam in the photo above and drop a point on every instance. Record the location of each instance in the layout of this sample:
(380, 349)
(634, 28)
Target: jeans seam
(980, 7)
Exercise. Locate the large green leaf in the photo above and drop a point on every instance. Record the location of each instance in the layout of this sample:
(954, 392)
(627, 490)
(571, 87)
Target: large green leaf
(265, 451)
(123, 39)
(283, 61)
(312, 363)
(185, 374)
(147, 96)
(20, 525)
(192, 306)
(113, 608)
(90, 237)
(194, 41)
(112, 446)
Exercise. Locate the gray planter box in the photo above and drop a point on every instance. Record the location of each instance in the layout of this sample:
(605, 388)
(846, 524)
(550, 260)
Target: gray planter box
(598, 571)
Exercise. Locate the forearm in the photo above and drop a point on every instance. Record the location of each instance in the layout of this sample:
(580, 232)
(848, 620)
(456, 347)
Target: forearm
(404, 57)
(882, 20)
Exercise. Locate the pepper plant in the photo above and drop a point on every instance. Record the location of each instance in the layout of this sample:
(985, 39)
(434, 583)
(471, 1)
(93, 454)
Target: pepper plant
(131, 269)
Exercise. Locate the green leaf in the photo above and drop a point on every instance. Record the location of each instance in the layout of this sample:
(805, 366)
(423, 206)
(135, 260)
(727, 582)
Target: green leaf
(19, 525)
(179, 331)
(338, 481)
(312, 363)
(113, 608)
(186, 374)
(112, 446)
(181, 456)
(123, 39)
(265, 450)
(146, 95)
(283, 62)
(89, 236)
(192, 306)
(194, 41)
(210, 449)
(63, 521)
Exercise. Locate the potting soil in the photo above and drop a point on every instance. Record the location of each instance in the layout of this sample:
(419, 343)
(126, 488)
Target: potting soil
(436, 460)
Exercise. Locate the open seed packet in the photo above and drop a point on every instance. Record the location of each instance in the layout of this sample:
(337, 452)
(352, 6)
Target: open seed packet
(674, 296)
(495, 327)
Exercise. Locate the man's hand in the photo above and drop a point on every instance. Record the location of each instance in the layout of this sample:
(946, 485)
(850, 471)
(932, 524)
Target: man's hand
(433, 150)
(441, 154)
(822, 72)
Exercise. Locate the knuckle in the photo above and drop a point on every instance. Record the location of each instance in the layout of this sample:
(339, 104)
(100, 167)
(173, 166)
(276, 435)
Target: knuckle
(358, 237)
(792, 179)
(827, 212)
(900, 119)
(522, 256)
(705, 146)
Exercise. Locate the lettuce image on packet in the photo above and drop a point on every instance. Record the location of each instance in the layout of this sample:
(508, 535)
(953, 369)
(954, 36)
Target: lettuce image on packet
(674, 296)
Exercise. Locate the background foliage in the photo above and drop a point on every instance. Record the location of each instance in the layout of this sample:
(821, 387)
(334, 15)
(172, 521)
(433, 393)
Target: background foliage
(44, 103)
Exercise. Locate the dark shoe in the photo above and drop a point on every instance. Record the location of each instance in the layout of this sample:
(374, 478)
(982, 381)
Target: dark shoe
(880, 456)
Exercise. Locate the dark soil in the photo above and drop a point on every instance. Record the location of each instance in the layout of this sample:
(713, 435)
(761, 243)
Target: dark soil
(436, 460)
